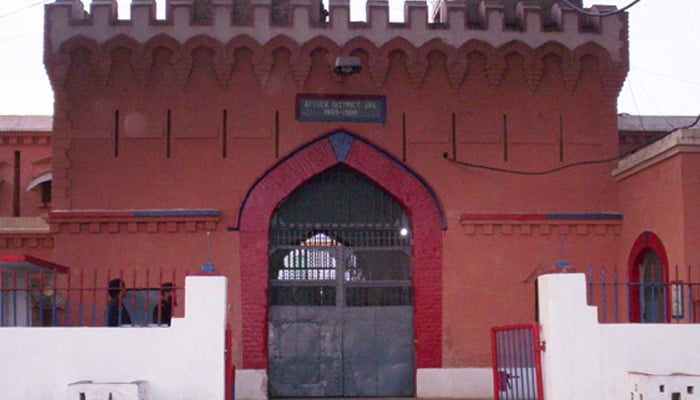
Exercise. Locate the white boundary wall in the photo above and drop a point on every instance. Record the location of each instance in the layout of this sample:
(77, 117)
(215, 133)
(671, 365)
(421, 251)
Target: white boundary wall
(585, 360)
(181, 362)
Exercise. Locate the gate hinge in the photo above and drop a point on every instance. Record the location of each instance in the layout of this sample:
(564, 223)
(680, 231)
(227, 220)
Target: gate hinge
(541, 346)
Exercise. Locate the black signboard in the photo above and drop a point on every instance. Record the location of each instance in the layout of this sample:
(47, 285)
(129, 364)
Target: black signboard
(341, 108)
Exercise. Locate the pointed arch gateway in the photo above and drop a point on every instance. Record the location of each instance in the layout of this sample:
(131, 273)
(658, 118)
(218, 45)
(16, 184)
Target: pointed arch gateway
(406, 187)
(650, 299)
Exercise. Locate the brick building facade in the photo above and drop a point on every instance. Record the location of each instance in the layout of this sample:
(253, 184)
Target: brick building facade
(489, 126)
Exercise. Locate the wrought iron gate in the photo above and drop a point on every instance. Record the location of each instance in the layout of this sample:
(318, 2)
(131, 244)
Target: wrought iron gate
(340, 296)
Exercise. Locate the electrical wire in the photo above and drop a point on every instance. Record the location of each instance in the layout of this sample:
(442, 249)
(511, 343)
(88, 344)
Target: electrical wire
(636, 106)
(675, 78)
(605, 14)
(21, 35)
(651, 99)
(576, 164)
(635, 72)
(38, 3)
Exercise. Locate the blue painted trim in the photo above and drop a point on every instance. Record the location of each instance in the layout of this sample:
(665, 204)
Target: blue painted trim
(176, 213)
(341, 143)
(598, 216)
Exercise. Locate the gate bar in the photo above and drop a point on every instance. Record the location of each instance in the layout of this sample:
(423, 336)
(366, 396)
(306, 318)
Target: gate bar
(524, 346)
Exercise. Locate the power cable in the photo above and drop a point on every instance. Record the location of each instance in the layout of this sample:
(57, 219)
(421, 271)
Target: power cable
(605, 14)
(4, 39)
(661, 74)
(38, 3)
(576, 164)
(636, 106)
(640, 82)
(651, 99)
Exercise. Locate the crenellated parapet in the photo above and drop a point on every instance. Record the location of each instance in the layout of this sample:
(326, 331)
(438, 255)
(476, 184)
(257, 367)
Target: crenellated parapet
(455, 24)
(101, 60)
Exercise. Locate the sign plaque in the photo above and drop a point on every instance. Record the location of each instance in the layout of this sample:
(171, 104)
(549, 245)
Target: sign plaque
(341, 108)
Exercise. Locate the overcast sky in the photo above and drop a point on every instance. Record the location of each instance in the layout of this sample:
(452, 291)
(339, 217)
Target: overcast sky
(664, 76)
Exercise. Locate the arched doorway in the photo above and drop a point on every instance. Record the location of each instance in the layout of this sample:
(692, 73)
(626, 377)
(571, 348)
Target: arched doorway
(340, 303)
(649, 290)
(395, 178)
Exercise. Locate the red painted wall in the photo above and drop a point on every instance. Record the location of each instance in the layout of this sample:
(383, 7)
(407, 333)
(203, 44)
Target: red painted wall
(28, 234)
(691, 207)
(653, 201)
(34, 149)
(661, 197)
(157, 123)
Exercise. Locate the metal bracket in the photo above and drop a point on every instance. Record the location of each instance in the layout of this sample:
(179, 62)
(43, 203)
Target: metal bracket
(541, 346)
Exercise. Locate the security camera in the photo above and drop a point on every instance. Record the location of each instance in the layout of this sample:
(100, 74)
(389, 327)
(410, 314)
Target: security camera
(346, 66)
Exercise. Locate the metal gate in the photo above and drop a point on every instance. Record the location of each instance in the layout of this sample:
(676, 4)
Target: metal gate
(340, 299)
(517, 367)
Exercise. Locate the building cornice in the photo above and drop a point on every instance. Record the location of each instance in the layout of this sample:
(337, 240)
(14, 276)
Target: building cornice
(14, 138)
(678, 142)
(582, 224)
(134, 221)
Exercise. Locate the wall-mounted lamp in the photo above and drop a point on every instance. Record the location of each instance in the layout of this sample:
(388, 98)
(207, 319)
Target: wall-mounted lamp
(346, 66)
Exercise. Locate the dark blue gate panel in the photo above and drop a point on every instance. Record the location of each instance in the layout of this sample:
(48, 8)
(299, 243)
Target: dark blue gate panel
(304, 352)
(378, 356)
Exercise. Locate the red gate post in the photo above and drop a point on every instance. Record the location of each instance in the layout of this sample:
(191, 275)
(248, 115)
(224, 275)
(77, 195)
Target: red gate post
(229, 368)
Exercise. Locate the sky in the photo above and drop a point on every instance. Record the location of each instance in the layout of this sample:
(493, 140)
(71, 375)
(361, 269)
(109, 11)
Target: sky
(664, 76)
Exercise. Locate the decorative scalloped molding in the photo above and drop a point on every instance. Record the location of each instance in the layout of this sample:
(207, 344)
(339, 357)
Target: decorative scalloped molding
(533, 74)
(456, 72)
(378, 72)
(416, 73)
(612, 74)
(495, 69)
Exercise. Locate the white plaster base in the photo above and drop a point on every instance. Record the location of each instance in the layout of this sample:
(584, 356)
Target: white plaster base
(88, 390)
(650, 386)
(251, 384)
(470, 383)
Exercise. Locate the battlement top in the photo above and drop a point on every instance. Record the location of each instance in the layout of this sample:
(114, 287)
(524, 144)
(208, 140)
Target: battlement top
(497, 22)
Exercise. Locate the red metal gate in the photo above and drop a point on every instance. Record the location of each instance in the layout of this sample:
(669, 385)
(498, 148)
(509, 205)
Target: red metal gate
(517, 369)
